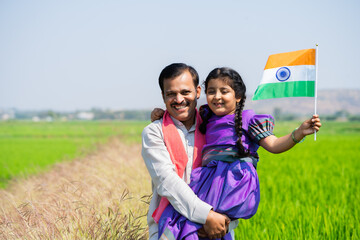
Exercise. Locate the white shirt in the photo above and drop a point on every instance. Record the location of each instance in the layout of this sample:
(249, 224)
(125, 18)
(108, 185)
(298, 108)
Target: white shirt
(165, 181)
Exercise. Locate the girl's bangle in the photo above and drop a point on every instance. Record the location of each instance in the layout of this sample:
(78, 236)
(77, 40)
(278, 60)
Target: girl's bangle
(294, 139)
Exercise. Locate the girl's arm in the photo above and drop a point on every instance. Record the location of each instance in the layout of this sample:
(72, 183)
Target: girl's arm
(274, 144)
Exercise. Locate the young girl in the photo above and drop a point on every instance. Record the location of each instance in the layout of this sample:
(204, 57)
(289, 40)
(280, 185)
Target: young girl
(228, 180)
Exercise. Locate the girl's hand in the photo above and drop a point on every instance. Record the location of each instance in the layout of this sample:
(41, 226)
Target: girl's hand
(157, 114)
(309, 126)
(284, 143)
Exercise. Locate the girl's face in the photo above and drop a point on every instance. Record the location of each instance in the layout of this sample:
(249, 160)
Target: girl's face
(221, 97)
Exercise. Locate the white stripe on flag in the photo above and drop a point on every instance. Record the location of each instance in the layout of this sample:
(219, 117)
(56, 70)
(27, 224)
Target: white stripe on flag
(298, 73)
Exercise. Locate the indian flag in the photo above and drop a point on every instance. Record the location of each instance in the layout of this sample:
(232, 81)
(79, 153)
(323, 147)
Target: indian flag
(290, 74)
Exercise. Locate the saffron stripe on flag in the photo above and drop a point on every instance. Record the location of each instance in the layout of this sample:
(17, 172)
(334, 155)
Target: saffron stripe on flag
(285, 89)
(298, 73)
(301, 57)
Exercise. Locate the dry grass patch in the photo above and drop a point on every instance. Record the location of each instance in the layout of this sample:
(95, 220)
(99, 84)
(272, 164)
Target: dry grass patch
(102, 196)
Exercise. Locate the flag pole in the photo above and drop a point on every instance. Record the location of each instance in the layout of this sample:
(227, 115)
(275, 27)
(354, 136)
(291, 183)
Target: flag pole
(316, 80)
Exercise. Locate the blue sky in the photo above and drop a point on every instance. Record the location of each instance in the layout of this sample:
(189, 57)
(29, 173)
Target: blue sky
(73, 55)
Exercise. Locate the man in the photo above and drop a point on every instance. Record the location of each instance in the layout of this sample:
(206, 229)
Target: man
(180, 90)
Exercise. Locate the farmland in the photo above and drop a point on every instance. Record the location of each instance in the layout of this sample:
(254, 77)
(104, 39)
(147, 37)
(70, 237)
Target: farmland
(309, 192)
(95, 189)
(27, 147)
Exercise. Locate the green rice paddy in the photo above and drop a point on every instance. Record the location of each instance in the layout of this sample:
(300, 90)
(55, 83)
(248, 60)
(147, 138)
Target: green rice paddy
(309, 192)
(312, 191)
(31, 147)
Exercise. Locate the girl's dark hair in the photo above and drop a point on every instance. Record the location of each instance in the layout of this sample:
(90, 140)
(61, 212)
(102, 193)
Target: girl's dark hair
(234, 80)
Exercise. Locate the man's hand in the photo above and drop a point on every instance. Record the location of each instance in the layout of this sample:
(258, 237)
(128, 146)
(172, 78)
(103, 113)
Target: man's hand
(157, 114)
(216, 225)
(201, 233)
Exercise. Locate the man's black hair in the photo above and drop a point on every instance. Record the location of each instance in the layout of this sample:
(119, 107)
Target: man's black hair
(174, 70)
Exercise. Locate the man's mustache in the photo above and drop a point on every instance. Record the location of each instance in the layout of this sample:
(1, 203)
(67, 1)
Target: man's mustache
(183, 103)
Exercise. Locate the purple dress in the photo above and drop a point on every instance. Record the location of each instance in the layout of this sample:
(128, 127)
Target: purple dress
(228, 183)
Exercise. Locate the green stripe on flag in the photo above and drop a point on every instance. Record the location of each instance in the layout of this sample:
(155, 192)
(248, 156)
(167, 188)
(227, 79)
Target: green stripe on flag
(285, 89)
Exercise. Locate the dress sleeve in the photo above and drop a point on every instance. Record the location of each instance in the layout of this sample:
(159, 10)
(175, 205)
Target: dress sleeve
(260, 126)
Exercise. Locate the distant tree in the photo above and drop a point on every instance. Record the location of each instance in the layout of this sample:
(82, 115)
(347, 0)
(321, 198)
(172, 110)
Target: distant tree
(342, 114)
(277, 112)
(287, 117)
(280, 116)
(52, 114)
(354, 118)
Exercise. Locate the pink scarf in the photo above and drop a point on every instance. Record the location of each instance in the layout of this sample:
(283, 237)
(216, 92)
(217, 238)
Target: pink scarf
(177, 152)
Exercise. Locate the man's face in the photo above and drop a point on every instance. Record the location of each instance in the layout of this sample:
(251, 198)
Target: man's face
(180, 97)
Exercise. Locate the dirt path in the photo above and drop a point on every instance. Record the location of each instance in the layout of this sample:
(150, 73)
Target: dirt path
(98, 197)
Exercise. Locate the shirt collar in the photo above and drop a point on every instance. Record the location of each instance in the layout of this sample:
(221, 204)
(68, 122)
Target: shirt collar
(182, 126)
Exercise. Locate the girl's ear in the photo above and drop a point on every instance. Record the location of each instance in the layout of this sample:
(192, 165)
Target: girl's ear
(238, 100)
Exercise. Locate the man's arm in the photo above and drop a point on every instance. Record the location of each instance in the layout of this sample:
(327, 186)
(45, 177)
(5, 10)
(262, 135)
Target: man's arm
(165, 179)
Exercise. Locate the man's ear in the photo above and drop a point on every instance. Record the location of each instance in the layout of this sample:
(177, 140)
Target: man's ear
(198, 92)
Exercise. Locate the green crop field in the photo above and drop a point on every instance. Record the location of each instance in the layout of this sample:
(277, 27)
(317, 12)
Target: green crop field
(30, 147)
(309, 192)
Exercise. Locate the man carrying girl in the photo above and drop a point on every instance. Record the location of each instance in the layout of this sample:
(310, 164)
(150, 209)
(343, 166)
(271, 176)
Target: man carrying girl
(227, 180)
